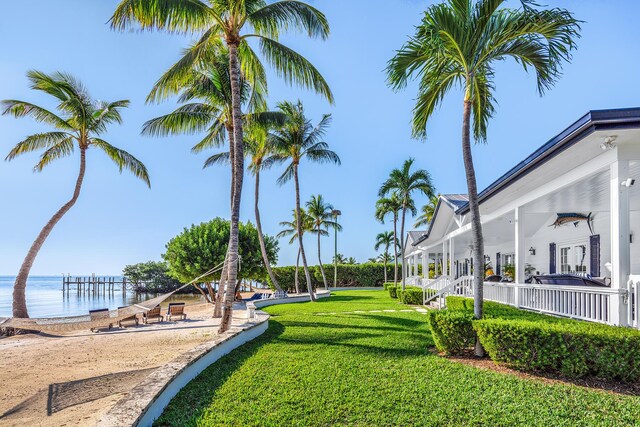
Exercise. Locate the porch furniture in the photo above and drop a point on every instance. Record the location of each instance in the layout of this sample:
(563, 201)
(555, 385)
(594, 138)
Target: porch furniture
(493, 278)
(176, 309)
(154, 313)
(567, 280)
(133, 318)
(99, 314)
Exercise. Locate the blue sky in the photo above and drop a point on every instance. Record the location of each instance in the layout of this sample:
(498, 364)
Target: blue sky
(119, 221)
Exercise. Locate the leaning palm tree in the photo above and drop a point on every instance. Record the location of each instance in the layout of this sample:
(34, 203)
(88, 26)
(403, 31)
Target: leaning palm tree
(385, 239)
(428, 211)
(385, 206)
(321, 214)
(295, 141)
(234, 23)
(80, 123)
(403, 182)
(291, 229)
(459, 43)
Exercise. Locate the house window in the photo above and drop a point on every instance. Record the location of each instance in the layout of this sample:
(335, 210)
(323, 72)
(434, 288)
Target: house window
(565, 267)
(573, 259)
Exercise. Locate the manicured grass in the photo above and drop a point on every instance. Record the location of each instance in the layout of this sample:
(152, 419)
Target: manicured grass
(373, 369)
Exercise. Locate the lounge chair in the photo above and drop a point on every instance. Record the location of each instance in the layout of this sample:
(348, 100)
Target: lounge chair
(493, 278)
(133, 318)
(176, 309)
(154, 313)
(567, 280)
(99, 314)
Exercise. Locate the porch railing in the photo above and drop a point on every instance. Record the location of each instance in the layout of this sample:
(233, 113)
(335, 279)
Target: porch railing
(434, 286)
(633, 289)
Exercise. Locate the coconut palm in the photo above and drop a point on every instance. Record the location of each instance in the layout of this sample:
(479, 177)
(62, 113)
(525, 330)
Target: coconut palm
(385, 239)
(291, 229)
(404, 183)
(385, 206)
(458, 44)
(339, 259)
(261, 157)
(321, 214)
(233, 23)
(428, 211)
(295, 141)
(351, 261)
(80, 123)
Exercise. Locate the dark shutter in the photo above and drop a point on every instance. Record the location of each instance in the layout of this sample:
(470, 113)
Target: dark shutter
(552, 258)
(498, 263)
(594, 257)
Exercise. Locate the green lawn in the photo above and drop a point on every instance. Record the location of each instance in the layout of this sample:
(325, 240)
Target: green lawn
(373, 369)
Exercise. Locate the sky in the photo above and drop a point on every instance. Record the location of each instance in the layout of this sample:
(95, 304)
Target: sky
(119, 221)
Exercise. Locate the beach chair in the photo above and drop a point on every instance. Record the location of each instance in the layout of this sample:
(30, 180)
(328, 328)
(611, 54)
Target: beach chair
(154, 313)
(99, 314)
(176, 309)
(133, 318)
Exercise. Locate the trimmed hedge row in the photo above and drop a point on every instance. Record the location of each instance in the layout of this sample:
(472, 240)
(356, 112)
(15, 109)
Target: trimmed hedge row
(536, 342)
(410, 295)
(359, 275)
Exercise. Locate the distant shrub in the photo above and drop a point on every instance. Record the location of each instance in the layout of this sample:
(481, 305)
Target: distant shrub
(452, 330)
(387, 284)
(360, 275)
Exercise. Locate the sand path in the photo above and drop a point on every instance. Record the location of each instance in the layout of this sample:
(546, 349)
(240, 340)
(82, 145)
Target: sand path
(75, 379)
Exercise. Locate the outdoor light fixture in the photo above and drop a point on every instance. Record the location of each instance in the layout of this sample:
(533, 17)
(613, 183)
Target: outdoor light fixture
(628, 182)
(532, 250)
(608, 143)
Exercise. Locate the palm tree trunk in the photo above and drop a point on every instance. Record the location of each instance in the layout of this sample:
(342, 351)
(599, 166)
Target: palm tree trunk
(299, 229)
(263, 248)
(297, 279)
(395, 249)
(19, 298)
(476, 225)
(324, 277)
(386, 255)
(404, 270)
(237, 176)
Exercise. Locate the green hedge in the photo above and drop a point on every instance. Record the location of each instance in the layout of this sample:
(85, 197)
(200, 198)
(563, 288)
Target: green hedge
(452, 330)
(393, 290)
(410, 295)
(537, 342)
(359, 275)
(575, 350)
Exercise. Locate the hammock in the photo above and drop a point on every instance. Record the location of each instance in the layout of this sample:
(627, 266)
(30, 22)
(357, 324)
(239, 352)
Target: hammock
(77, 323)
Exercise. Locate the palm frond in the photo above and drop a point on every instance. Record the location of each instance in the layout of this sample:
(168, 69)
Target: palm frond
(63, 148)
(123, 159)
(186, 119)
(20, 109)
(171, 15)
(217, 159)
(281, 15)
(38, 141)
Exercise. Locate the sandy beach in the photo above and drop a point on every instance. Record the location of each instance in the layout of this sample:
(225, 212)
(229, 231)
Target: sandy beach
(75, 379)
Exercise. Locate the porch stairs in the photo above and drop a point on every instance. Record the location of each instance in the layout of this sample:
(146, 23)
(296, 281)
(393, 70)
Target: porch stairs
(434, 294)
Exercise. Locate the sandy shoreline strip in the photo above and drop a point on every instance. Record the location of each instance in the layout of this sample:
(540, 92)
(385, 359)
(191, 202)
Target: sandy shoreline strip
(75, 379)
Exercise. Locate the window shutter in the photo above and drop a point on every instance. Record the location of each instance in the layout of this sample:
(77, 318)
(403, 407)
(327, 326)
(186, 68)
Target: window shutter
(594, 257)
(498, 263)
(552, 258)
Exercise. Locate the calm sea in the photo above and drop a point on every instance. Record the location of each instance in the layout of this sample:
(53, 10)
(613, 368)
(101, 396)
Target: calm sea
(46, 299)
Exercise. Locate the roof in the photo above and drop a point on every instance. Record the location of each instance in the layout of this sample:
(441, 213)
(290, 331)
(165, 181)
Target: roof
(415, 235)
(595, 120)
(456, 200)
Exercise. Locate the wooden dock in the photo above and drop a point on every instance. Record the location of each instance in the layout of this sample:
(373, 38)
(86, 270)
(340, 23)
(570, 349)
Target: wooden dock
(94, 284)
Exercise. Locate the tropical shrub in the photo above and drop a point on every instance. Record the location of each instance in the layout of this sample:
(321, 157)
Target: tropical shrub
(574, 349)
(151, 277)
(360, 275)
(452, 330)
(393, 291)
(410, 295)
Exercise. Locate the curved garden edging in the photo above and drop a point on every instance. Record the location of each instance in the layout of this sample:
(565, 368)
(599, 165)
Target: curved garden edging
(146, 401)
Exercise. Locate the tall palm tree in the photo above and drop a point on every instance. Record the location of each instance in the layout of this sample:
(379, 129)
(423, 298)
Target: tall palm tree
(339, 259)
(262, 157)
(291, 229)
(428, 211)
(295, 141)
(458, 44)
(321, 214)
(385, 239)
(233, 23)
(80, 122)
(385, 206)
(404, 183)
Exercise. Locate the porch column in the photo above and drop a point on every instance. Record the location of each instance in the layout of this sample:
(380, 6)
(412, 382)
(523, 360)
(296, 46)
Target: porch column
(520, 252)
(415, 265)
(425, 265)
(445, 270)
(452, 258)
(620, 247)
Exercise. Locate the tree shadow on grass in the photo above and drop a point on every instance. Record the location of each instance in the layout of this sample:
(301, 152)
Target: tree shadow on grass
(192, 401)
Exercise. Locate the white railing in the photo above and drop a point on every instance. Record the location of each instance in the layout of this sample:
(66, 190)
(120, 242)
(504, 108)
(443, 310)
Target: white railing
(499, 292)
(462, 286)
(434, 285)
(633, 289)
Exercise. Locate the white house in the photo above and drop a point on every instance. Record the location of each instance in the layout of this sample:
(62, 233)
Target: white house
(589, 170)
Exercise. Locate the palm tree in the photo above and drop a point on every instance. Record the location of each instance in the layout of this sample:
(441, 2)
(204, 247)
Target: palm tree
(458, 43)
(391, 205)
(403, 182)
(339, 259)
(385, 239)
(321, 215)
(296, 140)
(428, 211)
(351, 261)
(81, 122)
(233, 23)
(291, 229)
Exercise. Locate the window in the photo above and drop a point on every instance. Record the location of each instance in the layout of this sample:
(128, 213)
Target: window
(565, 267)
(573, 259)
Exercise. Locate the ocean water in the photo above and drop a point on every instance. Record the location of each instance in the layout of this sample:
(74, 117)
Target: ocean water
(46, 299)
